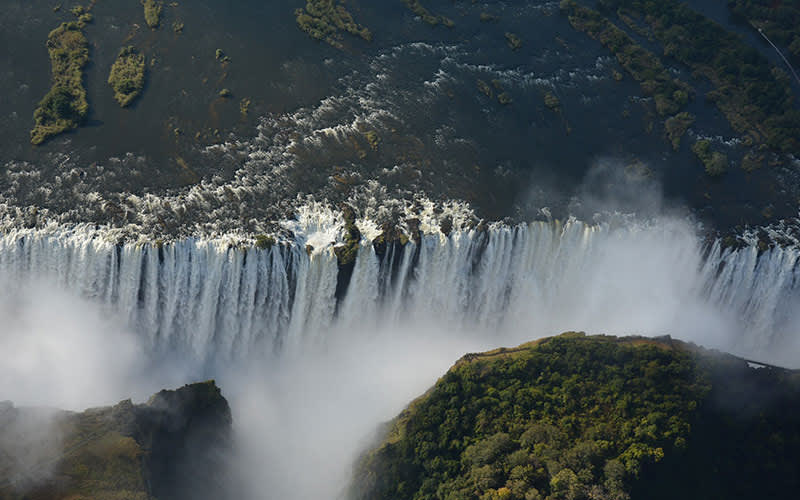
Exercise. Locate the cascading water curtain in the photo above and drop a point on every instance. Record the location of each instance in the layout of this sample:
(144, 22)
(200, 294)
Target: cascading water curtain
(207, 299)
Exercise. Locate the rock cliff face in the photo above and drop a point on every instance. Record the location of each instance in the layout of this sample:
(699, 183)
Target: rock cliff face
(172, 447)
(576, 417)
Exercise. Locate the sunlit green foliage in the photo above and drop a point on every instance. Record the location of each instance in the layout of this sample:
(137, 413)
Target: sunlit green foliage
(324, 19)
(152, 12)
(65, 106)
(566, 417)
(127, 75)
(263, 241)
(715, 163)
(592, 418)
(346, 253)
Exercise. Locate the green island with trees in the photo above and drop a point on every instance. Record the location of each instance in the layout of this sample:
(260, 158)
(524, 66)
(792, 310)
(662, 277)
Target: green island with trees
(715, 163)
(592, 417)
(324, 19)
(127, 75)
(755, 97)
(65, 106)
(669, 94)
(417, 8)
(152, 12)
(676, 126)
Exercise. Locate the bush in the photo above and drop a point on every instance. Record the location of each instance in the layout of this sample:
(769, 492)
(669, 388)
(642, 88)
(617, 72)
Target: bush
(65, 106)
(127, 76)
(152, 12)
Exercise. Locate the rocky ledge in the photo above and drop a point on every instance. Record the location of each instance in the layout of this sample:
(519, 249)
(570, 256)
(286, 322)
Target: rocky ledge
(172, 447)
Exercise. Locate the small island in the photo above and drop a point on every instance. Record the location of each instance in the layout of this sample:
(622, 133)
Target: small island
(152, 12)
(65, 107)
(127, 76)
(324, 19)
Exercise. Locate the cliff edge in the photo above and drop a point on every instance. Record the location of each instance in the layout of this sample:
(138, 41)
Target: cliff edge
(593, 417)
(171, 447)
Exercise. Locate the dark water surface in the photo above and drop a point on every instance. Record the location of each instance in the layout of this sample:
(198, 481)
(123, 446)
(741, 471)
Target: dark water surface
(414, 85)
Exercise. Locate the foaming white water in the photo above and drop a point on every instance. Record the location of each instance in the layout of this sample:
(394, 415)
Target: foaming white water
(208, 300)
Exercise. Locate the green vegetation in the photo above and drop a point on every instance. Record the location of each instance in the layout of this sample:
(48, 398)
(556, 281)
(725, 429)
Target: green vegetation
(779, 20)
(127, 76)
(715, 163)
(504, 98)
(669, 94)
(513, 41)
(373, 139)
(346, 253)
(418, 9)
(220, 55)
(391, 236)
(225, 93)
(324, 19)
(551, 101)
(263, 241)
(754, 96)
(485, 89)
(244, 107)
(177, 27)
(152, 12)
(65, 106)
(676, 126)
(576, 417)
(752, 161)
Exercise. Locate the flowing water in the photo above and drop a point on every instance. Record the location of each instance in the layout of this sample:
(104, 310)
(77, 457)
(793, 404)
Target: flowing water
(311, 372)
(126, 255)
(211, 300)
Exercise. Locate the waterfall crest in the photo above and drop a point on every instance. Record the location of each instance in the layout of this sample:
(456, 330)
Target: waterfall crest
(208, 299)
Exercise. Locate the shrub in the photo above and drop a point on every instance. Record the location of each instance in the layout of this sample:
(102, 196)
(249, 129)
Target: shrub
(127, 76)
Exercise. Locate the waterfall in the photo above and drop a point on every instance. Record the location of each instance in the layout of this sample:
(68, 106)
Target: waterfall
(209, 299)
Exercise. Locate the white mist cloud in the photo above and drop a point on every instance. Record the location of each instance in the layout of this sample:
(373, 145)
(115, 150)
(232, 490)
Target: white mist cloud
(302, 420)
(60, 350)
(29, 442)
